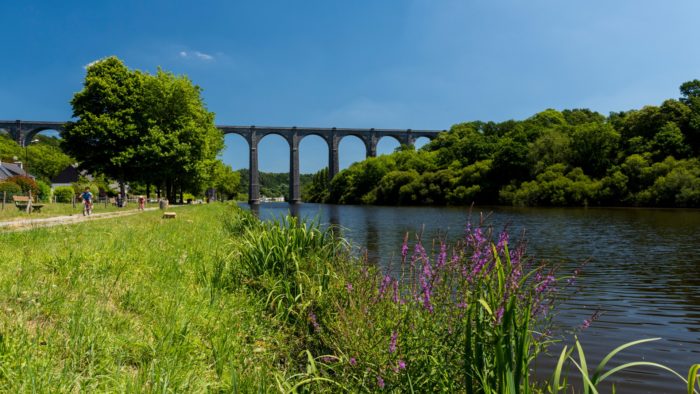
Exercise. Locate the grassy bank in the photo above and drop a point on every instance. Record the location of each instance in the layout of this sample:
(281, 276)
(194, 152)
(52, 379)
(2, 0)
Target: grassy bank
(126, 305)
(216, 301)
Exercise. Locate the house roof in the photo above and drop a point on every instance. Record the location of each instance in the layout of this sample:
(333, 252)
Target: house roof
(8, 170)
(70, 174)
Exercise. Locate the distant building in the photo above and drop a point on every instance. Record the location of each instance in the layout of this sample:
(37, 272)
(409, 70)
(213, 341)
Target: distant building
(272, 199)
(69, 176)
(8, 170)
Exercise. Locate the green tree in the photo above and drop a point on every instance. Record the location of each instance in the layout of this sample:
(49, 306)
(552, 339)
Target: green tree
(225, 180)
(690, 90)
(669, 141)
(179, 142)
(106, 135)
(318, 189)
(47, 160)
(594, 147)
(133, 126)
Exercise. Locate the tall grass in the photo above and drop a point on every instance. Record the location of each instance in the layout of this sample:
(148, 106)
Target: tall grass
(128, 305)
(467, 318)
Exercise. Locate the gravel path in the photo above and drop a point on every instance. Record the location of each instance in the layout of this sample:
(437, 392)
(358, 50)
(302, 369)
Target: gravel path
(27, 224)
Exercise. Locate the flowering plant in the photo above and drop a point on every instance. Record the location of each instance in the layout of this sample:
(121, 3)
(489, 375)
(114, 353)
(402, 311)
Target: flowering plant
(471, 316)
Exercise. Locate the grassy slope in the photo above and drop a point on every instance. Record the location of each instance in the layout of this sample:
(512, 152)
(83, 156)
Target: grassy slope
(126, 304)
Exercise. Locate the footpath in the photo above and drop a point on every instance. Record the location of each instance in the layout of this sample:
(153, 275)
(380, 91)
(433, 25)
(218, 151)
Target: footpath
(27, 224)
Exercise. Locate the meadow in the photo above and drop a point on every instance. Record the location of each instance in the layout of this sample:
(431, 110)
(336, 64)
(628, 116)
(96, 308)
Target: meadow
(217, 301)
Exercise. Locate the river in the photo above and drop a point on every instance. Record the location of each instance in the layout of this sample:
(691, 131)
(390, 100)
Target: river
(641, 272)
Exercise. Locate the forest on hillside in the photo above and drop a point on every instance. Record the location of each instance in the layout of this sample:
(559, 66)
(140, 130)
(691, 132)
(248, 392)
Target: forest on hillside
(272, 184)
(576, 157)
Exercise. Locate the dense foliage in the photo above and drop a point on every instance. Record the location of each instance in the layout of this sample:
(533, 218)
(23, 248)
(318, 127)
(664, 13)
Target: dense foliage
(134, 126)
(272, 184)
(645, 157)
(44, 158)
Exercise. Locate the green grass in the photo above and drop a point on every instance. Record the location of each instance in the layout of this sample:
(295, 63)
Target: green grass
(57, 209)
(215, 301)
(128, 305)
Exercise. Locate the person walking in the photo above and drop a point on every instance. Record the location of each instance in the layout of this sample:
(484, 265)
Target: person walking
(142, 203)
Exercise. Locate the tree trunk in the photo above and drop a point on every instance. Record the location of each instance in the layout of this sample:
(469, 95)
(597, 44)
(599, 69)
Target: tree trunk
(148, 191)
(182, 200)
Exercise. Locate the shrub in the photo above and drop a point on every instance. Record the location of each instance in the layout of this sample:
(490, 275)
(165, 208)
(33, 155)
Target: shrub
(64, 193)
(44, 190)
(10, 189)
(79, 187)
(25, 183)
(288, 262)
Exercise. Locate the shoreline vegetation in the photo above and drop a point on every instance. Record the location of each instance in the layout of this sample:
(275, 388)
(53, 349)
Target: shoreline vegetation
(578, 157)
(218, 301)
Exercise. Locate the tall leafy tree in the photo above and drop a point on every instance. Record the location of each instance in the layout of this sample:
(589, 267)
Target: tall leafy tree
(134, 126)
(180, 142)
(106, 136)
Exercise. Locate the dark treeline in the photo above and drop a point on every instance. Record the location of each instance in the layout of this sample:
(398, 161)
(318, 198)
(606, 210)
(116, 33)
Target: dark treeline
(645, 157)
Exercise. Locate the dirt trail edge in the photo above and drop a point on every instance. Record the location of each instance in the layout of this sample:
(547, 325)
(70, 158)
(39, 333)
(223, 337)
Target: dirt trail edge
(28, 224)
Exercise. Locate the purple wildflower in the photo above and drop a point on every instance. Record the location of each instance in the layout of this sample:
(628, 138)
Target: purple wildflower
(499, 314)
(396, 298)
(314, 322)
(380, 382)
(586, 324)
(502, 241)
(402, 364)
(352, 361)
(546, 285)
(426, 287)
(442, 257)
(349, 287)
(392, 343)
(404, 248)
(384, 285)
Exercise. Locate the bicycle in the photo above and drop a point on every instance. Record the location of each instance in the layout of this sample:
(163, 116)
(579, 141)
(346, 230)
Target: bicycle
(87, 207)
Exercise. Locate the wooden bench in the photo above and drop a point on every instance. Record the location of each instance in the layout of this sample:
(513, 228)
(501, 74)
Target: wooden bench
(169, 215)
(21, 203)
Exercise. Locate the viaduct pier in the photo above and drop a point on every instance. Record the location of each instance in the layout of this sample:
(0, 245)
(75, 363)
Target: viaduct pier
(24, 131)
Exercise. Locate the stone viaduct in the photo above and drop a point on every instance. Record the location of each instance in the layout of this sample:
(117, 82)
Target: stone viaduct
(24, 131)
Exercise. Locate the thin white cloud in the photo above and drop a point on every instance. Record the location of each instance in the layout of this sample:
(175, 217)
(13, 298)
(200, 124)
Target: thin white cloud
(92, 63)
(197, 55)
(204, 56)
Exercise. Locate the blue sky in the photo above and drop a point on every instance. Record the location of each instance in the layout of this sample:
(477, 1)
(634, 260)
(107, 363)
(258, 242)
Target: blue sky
(420, 64)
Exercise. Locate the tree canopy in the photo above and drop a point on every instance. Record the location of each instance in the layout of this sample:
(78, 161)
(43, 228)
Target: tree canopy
(644, 157)
(135, 126)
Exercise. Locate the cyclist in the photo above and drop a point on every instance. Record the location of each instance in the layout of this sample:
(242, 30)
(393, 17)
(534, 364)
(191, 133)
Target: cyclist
(87, 200)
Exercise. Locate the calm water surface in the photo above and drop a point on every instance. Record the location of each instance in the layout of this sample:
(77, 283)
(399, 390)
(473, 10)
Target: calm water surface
(642, 271)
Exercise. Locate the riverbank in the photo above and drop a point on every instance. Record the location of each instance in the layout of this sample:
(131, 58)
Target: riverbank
(127, 305)
(216, 301)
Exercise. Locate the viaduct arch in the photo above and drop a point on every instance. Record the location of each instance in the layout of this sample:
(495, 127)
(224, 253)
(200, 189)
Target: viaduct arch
(24, 131)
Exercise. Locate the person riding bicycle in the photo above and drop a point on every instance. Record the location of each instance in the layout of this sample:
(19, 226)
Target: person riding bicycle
(87, 199)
